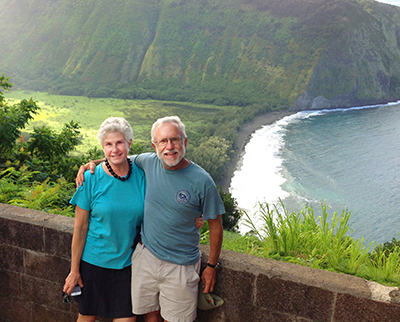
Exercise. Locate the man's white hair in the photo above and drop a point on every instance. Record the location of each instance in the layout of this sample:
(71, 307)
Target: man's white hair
(168, 119)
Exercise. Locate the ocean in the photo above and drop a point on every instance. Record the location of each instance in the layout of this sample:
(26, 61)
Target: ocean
(346, 158)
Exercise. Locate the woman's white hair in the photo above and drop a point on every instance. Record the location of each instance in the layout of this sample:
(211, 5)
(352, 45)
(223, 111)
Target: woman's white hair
(168, 119)
(115, 124)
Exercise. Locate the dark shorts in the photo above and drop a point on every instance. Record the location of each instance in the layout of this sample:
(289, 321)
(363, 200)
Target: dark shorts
(106, 292)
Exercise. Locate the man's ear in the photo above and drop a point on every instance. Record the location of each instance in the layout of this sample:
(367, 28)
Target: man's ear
(185, 142)
(154, 147)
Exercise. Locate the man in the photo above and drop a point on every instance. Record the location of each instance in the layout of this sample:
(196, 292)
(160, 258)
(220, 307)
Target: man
(165, 266)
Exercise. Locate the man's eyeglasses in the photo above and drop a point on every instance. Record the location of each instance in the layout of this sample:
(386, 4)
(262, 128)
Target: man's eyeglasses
(174, 141)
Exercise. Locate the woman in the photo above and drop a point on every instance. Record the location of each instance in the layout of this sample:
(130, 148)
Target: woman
(109, 210)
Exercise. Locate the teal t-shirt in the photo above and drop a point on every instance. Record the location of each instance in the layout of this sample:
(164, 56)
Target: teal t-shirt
(174, 199)
(116, 211)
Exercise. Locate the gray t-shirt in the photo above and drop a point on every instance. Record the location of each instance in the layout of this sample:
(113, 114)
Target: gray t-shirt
(174, 199)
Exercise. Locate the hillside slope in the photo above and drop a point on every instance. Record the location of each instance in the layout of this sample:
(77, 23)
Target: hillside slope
(281, 53)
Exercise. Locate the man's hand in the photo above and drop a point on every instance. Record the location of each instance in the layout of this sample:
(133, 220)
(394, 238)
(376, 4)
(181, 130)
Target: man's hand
(208, 279)
(80, 177)
(209, 276)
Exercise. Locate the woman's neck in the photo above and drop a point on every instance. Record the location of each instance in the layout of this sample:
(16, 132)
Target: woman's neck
(119, 169)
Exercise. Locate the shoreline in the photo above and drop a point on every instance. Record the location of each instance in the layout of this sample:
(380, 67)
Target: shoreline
(244, 135)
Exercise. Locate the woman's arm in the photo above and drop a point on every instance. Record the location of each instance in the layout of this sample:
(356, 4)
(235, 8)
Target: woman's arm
(78, 244)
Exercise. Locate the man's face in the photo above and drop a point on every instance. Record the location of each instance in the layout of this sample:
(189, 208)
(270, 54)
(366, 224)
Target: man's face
(170, 145)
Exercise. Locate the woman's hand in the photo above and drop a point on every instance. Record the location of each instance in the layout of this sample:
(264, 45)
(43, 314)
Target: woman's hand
(199, 222)
(71, 281)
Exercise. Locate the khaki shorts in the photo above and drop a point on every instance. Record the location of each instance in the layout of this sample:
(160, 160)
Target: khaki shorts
(159, 285)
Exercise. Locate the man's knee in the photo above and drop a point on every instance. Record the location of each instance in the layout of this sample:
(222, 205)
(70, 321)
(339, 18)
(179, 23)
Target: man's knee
(153, 317)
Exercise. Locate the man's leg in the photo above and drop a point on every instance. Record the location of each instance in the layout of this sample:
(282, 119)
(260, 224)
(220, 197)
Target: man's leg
(179, 291)
(153, 317)
(145, 290)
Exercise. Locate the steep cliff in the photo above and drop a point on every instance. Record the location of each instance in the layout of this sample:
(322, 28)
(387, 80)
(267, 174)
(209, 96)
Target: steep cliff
(362, 65)
(280, 53)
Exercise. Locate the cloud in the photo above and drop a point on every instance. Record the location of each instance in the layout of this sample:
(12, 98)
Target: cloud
(393, 2)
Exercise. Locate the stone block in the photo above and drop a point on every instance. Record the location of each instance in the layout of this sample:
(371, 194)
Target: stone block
(43, 293)
(21, 234)
(42, 313)
(265, 315)
(235, 286)
(234, 313)
(15, 310)
(57, 242)
(227, 312)
(45, 266)
(10, 285)
(284, 296)
(60, 223)
(355, 309)
(11, 258)
(215, 315)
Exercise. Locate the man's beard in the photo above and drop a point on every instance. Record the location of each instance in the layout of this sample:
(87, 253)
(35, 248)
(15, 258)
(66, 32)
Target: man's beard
(180, 153)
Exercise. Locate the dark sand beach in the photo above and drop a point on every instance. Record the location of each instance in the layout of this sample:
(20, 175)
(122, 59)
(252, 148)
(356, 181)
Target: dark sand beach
(244, 136)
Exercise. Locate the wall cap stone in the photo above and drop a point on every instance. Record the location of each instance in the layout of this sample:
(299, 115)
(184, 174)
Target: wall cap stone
(384, 293)
(37, 218)
(334, 282)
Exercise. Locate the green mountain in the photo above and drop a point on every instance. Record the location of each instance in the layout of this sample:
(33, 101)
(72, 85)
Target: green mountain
(275, 53)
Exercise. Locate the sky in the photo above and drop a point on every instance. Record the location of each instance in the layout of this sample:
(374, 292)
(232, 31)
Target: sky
(393, 2)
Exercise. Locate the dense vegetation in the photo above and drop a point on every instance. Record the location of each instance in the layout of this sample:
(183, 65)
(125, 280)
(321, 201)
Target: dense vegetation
(322, 242)
(39, 173)
(38, 169)
(221, 52)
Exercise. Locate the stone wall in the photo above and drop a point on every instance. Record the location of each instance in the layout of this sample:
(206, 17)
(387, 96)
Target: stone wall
(34, 260)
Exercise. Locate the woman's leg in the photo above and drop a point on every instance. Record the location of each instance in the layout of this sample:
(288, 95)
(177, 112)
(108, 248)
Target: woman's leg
(86, 318)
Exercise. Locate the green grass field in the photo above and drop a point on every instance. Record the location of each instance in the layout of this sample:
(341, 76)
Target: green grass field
(57, 110)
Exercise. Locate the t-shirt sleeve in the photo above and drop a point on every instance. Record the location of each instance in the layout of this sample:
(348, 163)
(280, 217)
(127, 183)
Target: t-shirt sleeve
(212, 204)
(140, 159)
(82, 196)
(134, 160)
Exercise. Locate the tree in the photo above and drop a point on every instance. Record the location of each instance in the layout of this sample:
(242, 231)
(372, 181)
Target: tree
(212, 155)
(230, 218)
(48, 145)
(13, 118)
(5, 86)
(232, 213)
(46, 152)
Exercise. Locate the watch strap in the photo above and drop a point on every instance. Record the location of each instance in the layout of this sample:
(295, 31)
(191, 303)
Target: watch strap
(213, 266)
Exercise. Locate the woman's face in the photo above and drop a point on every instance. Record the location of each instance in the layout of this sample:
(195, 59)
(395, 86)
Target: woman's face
(116, 147)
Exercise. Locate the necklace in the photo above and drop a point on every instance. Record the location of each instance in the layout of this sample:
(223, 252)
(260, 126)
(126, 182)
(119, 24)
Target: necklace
(116, 175)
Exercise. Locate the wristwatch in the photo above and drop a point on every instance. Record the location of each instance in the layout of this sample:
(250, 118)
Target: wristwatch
(213, 266)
